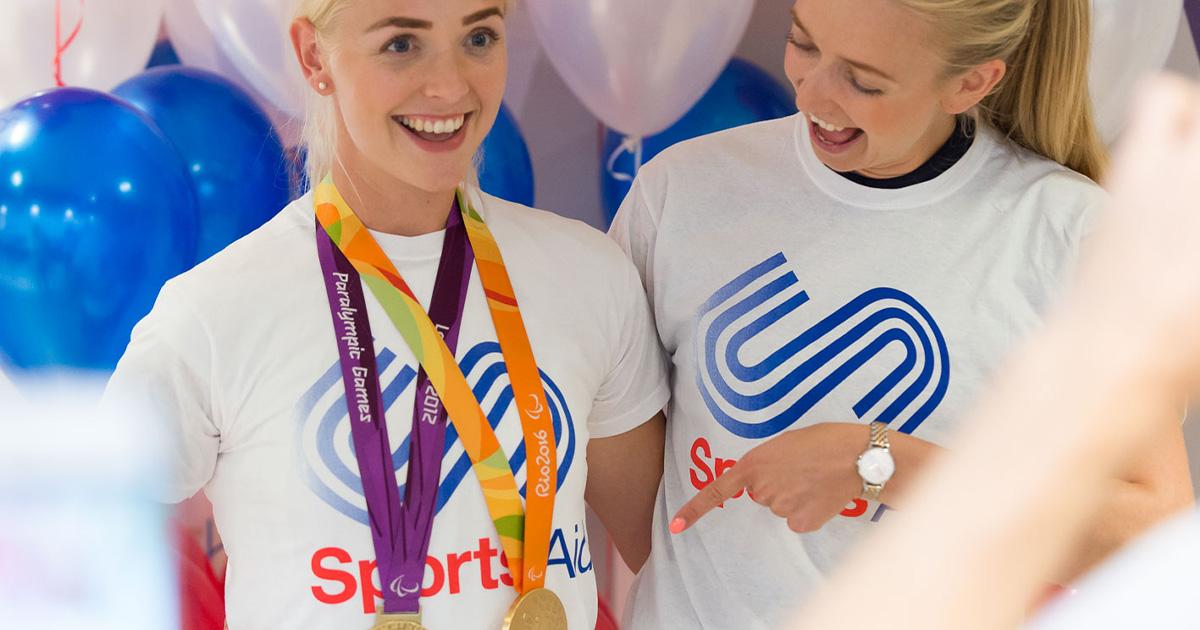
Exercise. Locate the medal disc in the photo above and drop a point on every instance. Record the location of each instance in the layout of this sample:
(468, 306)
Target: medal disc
(539, 609)
(398, 622)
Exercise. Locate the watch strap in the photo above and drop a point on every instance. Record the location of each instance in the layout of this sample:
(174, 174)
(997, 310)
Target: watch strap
(879, 439)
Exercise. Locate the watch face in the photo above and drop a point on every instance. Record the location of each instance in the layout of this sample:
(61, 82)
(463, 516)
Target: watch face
(876, 466)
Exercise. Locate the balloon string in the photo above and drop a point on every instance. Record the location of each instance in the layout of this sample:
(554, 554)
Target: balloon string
(60, 46)
(630, 145)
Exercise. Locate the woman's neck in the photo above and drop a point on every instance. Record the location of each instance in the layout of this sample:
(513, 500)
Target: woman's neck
(385, 204)
(937, 136)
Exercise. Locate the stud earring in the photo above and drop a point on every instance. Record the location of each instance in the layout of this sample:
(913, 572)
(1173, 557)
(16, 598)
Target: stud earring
(322, 86)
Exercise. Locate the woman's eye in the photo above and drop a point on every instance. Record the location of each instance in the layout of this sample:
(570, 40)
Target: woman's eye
(800, 44)
(862, 88)
(399, 45)
(482, 38)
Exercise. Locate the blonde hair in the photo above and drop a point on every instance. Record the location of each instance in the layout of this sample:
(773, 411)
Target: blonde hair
(1043, 102)
(319, 134)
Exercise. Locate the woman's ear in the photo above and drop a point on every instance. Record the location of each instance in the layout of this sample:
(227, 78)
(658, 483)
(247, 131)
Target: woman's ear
(968, 89)
(308, 53)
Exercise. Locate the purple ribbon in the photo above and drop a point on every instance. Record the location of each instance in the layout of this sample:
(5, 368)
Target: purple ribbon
(400, 531)
(1192, 8)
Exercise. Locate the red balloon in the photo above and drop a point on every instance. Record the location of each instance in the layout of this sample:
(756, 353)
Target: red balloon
(201, 593)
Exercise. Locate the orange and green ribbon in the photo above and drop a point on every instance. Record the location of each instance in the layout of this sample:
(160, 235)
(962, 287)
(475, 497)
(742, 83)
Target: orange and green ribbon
(524, 531)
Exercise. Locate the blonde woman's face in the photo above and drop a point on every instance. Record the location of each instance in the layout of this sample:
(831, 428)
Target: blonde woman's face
(866, 69)
(418, 84)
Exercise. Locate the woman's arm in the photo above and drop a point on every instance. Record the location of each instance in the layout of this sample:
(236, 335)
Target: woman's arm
(1157, 485)
(1043, 449)
(808, 475)
(623, 476)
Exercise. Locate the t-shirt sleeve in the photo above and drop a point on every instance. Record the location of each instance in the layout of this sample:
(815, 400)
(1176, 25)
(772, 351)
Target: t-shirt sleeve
(166, 373)
(1075, 208)
(1093, 203)
(635, 386)
(635, 226)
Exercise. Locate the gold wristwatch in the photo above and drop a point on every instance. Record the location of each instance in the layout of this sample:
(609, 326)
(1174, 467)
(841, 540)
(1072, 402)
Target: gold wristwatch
(876, 465)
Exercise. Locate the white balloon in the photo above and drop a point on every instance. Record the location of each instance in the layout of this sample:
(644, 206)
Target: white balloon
(524, 57)
(253, 34)
(1130, 40)
(639, 65)
(115, 41)
(196, 46)
(193, 42)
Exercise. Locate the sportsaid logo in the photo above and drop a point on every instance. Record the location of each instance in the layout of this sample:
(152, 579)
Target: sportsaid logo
(762, 396)
(340, 579)
(763, 363)
(327, 448)
(331, 472)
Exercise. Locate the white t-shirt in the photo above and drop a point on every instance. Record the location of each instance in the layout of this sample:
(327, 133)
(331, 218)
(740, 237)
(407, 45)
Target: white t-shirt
(8, 391)
(1150, 584)
(239, 356)
(786, 295)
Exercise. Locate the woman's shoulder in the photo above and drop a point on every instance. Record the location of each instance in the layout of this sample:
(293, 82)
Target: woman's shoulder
(547, 233)
(256, 262)
(753, 145)
(1063, 200)
(1024, 169)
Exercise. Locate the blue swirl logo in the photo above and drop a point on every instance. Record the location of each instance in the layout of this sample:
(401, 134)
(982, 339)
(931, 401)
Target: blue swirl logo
(326, 448)
(760, 398)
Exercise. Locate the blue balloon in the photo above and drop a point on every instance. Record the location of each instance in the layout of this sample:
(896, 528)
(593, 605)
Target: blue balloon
(233, 154)
(506, 171)
(96, 213)
(164, 55)
(742, 94)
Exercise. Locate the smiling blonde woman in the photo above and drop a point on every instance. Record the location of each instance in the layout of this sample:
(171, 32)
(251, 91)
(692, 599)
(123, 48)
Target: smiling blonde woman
(399, 392)
(835, 288)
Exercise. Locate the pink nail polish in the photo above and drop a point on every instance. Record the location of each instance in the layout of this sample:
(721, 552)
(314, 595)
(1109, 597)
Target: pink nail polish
(677, 526)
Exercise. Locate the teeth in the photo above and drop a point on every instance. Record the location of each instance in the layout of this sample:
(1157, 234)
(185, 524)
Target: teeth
(439, 126)
(824, 125)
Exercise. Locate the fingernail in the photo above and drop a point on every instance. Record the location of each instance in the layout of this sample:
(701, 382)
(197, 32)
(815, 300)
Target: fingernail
(677, 526)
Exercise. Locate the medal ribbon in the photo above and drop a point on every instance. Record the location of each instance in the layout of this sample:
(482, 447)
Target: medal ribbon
(400, 532)
(525, 537)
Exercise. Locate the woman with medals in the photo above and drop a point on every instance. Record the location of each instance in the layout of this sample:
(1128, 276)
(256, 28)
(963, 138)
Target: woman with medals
(400, 391)
(835, 288)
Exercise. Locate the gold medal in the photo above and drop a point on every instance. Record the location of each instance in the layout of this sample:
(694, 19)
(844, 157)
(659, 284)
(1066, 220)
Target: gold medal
(539, 609)
(399, 621)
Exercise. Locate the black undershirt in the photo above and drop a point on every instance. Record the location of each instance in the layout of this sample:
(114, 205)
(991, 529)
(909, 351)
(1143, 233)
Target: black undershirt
(945, 157)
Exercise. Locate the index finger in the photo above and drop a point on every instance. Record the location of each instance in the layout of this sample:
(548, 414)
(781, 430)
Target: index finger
(720, 490)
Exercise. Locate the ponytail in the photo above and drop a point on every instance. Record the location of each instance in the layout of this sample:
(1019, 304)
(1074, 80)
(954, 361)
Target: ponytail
(1043, 103)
